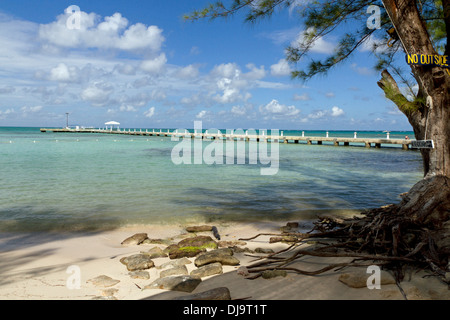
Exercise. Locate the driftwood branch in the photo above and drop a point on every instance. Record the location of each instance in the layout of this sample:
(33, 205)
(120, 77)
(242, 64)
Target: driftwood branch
(297, 234)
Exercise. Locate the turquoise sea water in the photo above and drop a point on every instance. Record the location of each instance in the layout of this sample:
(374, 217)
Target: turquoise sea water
(75, 181)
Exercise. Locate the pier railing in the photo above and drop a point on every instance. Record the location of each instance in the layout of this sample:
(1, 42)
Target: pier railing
(337, 141)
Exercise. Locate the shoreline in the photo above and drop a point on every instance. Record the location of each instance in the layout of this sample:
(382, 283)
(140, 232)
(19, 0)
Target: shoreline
(35, 266)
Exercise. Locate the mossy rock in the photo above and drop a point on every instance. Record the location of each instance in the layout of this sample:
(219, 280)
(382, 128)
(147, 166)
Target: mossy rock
(175, 271)
(170, 248)
(207, 270)
(137, 262)
(224, 256)
(190, 249)
(136, 239)
(181, 252)
(203, 242)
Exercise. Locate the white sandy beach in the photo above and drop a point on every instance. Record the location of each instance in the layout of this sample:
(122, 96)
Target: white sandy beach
(34, 267)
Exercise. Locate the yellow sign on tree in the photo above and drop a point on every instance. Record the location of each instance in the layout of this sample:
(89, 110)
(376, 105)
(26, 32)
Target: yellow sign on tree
(427, 60)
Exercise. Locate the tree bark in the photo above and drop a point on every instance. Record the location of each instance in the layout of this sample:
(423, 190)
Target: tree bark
(430, 121)
(428, 203)
(446, 7)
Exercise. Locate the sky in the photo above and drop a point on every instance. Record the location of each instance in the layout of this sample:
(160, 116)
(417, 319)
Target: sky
(139, 63)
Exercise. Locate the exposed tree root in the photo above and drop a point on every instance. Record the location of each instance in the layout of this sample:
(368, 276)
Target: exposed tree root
(415, 232)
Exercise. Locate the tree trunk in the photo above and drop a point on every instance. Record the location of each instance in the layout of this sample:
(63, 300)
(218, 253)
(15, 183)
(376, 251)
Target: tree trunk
(428, 202)
(430, 121)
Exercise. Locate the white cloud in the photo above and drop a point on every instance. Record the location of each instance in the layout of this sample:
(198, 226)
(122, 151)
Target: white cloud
(229, 82)
(336, 112)
(98, 93)
(274, 108)
(63, 73)
(4, 114)
(126, 69)
(156, 65)
(188, 72)
(40, 61)
(238, 110)
(317, 114)
(202, 114)
(320, 114)
(111, 33)
(281, 68)
(113, 24)
(373, 44)
(320, 45)
(31, 109)
(255, 73)
(28, 110)
(226, 70)
(233, 85)
(128, 108)
(139, 36)
(230, 93)
(10, 29)
(60, 73)
(9, 111)
(150, 112)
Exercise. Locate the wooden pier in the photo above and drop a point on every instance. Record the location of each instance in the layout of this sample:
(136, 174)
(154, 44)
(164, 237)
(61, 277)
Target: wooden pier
(367, 142)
